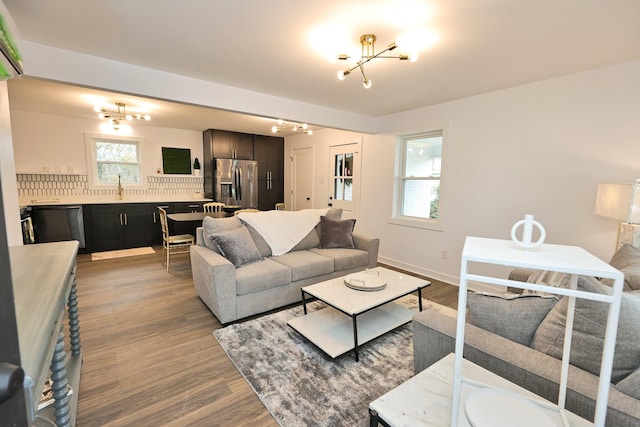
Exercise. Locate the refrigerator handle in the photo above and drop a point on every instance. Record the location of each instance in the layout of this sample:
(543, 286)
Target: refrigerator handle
(239, 183)
(235, 183)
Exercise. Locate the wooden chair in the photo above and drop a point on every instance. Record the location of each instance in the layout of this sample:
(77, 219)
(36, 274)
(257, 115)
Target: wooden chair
(281, 207)
(177, 244)
(239, 211)
(213, 207)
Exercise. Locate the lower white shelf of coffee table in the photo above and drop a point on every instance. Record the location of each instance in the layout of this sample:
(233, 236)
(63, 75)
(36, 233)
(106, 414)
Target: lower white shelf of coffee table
(332, 331)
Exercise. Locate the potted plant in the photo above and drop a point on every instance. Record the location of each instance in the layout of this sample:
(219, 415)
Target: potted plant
(196, 167)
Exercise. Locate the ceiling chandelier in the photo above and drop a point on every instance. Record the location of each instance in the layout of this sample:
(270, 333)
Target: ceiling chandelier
(283, 126)
(115, 117)
(367, 54)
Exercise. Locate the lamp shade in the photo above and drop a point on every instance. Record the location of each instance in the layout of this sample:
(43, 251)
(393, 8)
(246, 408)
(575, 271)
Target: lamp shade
(619, 201)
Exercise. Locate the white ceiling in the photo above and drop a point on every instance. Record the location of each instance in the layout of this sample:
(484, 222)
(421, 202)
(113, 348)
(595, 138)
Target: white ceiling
(266, 47)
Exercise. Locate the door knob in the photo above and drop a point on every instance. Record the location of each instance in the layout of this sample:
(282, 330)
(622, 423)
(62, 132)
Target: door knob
(308, 198)
(11, 380)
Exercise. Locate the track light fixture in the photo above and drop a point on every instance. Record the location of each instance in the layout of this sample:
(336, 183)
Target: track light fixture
(283, 126)
(368, 52)
(115, 117)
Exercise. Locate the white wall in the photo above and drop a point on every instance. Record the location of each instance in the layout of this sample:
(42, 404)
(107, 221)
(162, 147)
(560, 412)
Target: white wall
(537, 149)
(8, 172)
(59, 141)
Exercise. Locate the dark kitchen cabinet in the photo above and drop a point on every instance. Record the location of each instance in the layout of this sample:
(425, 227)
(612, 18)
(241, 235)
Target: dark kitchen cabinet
(120, 226)
(222, 144)
(229, 145)
(180, 207)
(269, 152)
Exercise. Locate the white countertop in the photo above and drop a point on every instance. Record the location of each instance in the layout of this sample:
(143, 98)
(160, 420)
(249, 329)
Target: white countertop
(91, 200)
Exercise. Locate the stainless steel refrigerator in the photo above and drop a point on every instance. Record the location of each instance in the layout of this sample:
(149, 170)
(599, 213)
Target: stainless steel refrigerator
(236, 182)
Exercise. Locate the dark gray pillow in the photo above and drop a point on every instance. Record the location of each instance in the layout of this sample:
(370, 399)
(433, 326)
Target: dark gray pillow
(237, 246)
(512, 316)
(589, 323)
(213, 226)
(336, 234)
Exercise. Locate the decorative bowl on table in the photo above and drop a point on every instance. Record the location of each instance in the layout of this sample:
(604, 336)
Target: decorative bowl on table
(364, 281)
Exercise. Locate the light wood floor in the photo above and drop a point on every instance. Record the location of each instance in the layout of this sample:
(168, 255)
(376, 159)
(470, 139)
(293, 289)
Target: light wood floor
(150, 358)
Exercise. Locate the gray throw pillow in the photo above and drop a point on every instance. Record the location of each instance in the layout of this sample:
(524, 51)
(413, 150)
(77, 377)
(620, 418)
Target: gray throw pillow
(312, 240)
(512, 316)
(589, 323)
(336, 234)
(212, 226)
(630, 385)
(334, 214)
(237, 246)
(627, 260)
(261, 244)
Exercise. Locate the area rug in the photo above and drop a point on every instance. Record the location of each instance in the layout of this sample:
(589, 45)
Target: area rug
(99, 256)
(300, 385)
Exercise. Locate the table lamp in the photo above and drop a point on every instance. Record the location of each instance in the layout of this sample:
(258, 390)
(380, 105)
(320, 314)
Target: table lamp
(621, 202)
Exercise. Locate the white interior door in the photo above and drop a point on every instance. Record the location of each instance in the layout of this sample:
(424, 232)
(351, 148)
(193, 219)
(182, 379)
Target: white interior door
(344, 176)
(302, 180)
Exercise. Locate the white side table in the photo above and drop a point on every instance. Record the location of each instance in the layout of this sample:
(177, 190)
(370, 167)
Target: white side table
(565, 259)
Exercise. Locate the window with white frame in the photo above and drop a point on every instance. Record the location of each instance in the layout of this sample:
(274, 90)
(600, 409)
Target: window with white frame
(111, 157)
(419, 174)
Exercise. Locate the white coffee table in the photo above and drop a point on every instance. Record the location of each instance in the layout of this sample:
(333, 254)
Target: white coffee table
(425, 400)
(355, 317)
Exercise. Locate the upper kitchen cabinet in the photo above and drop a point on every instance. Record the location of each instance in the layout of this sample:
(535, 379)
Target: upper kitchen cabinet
(222, 144)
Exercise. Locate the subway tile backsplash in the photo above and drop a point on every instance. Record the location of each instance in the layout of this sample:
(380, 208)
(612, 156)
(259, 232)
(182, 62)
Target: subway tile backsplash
(44, 184)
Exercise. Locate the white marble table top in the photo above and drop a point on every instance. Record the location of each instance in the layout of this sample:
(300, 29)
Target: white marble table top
(352, 301)
(425, 399)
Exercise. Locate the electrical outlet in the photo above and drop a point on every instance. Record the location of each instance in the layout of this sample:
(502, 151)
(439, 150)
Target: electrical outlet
(444, 255)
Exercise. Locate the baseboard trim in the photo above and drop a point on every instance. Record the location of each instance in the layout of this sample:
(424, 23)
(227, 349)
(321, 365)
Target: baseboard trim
(451, 280)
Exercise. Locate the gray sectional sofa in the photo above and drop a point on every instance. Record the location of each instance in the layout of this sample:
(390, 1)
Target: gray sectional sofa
(519, 338)
(235, 288)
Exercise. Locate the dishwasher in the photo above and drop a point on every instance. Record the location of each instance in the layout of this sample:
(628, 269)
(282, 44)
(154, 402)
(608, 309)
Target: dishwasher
(58, 223)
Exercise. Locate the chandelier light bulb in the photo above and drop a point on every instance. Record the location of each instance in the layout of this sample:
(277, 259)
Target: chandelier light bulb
(116, 116)
(309, 132)
(404, 43)
(290, 127)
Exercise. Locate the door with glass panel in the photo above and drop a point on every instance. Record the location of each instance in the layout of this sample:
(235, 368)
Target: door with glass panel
(344, 176)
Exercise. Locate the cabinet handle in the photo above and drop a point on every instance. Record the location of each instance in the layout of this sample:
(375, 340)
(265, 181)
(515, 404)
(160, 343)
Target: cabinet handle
(121, 219)
(154, 218)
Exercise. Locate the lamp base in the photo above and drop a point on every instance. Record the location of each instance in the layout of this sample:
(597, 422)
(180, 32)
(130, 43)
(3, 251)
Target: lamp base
(628, 233)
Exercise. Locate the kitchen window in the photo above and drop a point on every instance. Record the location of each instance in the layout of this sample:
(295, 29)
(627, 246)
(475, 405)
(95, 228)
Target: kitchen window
(419, 171)
(110, 157)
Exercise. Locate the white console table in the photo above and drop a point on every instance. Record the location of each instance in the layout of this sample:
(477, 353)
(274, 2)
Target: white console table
(44, 287)
(565, 259)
